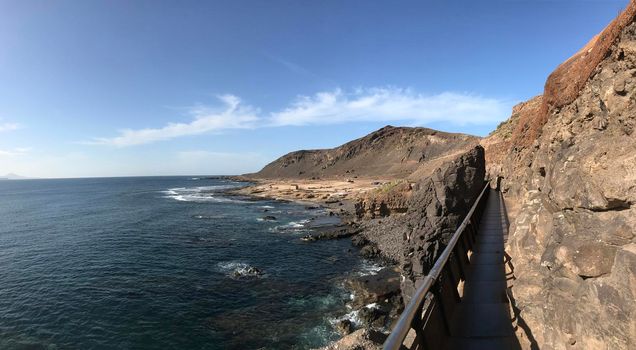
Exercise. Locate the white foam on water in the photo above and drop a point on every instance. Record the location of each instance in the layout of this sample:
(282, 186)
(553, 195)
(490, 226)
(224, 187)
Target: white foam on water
(199, 194)
(297, 224)
(296, 227)
(209, 217)
(227, 266)
(372, 306)
(235, 269)
(368, 268)
(352, 316)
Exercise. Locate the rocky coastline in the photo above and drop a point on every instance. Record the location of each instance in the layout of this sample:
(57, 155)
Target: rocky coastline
(375, 297)
(400, 224)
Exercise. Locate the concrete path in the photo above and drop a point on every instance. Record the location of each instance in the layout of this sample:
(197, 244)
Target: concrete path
(482, 320)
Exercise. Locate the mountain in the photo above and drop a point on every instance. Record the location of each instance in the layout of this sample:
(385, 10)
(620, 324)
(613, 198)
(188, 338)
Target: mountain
(390, 152)
(567, 163)
(12, 176)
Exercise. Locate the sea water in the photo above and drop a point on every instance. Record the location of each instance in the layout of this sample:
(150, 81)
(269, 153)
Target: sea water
(158, 263)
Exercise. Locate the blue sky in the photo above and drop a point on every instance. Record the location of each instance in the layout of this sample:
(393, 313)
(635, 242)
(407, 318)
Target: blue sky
(116, 88)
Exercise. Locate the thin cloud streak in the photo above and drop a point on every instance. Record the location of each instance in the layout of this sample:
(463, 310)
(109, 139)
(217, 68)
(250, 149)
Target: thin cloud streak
(15, 152)
(233, 116)
(9, 127)
(328, 108)
(388, 105)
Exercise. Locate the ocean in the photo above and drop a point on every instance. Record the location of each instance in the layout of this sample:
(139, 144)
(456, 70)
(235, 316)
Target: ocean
(156, 263)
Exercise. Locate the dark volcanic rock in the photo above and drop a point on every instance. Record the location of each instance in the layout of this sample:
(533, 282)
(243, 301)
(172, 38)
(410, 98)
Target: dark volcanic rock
(376, 297)
(370, 251)
(247, 272)
(344, 327)
(374, 288)
(337, 232)
(436, 207)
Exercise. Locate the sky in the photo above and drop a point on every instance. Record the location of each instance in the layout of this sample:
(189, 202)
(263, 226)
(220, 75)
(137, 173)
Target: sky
(134, 88)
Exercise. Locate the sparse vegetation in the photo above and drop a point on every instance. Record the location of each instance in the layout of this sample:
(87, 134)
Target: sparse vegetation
(388, 187)
(504, 129)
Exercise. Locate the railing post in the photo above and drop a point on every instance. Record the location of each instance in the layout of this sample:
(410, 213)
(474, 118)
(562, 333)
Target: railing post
(454, 282)
(440, 302)
(460, 260)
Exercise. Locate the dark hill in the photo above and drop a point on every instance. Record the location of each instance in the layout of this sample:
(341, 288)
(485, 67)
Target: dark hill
(391, 152)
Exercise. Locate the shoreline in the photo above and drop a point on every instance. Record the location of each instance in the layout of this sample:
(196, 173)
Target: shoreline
(376, 297)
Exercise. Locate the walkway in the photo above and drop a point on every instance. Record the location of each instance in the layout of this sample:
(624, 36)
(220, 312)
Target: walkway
(482, 320)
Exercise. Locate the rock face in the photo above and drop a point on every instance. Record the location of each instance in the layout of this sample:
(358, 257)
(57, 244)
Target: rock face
(391, 152)
(570, 179)
(362, 339)
(435, 209)
(389, 199)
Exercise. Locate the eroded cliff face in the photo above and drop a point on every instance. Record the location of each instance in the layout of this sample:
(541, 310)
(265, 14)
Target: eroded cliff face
(434, 209)
(572, 186)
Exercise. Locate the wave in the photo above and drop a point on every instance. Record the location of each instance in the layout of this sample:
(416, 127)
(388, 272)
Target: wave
(239, 270)
(199, 194)
(298, 224)
(209, 217)
(292, 226)
(352, 316)
(368, 267)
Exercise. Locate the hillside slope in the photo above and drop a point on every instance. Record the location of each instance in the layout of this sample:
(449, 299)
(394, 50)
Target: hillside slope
(391, 152)
(567, 160)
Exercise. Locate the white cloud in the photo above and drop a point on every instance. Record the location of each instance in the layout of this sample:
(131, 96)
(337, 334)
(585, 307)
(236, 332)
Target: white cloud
(233, 116)
(15, 152)
(391, 104)
(330, 107)
(9, 126)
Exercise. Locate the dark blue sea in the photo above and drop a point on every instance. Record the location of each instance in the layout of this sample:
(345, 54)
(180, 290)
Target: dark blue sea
(151, 263)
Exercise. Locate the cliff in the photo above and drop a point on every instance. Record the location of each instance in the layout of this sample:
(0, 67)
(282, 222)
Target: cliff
(434, 210)
(388, 153)
(567, 163)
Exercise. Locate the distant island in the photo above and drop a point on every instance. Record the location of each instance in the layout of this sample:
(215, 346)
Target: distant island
(12, 176)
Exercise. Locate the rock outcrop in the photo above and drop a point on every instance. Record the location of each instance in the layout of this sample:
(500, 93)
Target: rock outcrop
(436, 207)
(390, 198)
(388, 153)
(567, 163)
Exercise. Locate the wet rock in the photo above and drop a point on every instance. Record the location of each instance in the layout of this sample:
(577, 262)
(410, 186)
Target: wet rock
(370, 251)
(378, 288)
(359, 241)
(247, 272)
(338, 232)
(344, 327)
(362, 339)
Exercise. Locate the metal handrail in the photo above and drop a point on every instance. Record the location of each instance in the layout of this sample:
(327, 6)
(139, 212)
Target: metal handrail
(405, 322)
